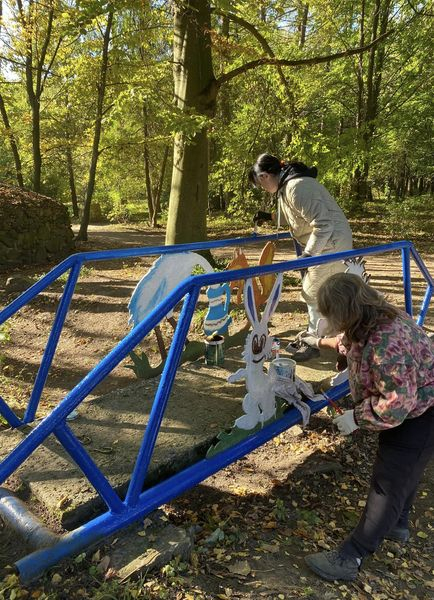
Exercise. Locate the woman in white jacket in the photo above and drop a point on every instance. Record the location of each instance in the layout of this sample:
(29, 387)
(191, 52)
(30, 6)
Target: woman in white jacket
(316, 222)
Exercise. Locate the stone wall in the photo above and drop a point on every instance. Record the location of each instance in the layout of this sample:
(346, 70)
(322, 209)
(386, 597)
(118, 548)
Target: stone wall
(33, 228)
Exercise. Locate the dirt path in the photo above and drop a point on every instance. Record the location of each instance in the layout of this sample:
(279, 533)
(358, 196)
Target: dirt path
(299, 493)
(98, 316)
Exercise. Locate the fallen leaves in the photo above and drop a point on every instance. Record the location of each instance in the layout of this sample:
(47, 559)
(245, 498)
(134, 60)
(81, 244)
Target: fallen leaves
(241, 567)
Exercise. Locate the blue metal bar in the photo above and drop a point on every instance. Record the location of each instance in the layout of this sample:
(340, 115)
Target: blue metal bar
(52, 342)
(425, 305)
(71, 444)
(142, 503)
(406, 276)
(430, 285)
(33, 565)
(82, 257)
(36, 288)
(161, 398)
(96, 375)
(295, 264)
(177, 248)
(90, 381)
(8, 414)
(421, 265)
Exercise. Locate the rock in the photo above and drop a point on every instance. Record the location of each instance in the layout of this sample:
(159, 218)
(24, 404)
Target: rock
(16, 283)
(33, 228)
(141, 550)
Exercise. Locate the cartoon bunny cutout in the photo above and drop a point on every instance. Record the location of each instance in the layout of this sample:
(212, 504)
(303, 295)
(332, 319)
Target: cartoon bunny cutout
(259, 403)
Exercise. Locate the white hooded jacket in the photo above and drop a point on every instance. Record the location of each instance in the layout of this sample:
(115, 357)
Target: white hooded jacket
(314, 217)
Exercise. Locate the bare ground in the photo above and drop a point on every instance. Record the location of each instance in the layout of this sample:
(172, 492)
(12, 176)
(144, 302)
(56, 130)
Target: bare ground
(297, 494)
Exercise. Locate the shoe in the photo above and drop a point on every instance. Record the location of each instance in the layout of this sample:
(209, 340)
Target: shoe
(398, 534)
(295, 344)
(332, 565)
(305, 353)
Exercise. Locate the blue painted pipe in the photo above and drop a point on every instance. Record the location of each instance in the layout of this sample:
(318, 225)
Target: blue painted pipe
(52, 342)
(406, 276)
(425, 305)
(147, 501)
(101, 484)
(161, 398)
(421, 265)
(32, 566)
(82, 257)
(7, 413)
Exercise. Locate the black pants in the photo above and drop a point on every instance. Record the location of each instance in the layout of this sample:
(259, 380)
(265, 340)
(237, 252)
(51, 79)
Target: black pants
(402, 455)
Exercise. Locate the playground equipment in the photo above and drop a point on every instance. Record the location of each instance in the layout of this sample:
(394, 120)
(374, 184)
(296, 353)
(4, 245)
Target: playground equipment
(138, 501)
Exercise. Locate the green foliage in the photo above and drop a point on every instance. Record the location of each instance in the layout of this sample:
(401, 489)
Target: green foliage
(316, 114)
(404, 218)
(5, 337)
(5, 333)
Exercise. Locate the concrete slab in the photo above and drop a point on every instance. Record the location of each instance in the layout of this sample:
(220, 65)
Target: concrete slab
(111, 428)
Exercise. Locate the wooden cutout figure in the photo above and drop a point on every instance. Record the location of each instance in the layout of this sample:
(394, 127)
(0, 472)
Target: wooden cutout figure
(259, 403)
(217, 319)
(261, 288)
(164, 275)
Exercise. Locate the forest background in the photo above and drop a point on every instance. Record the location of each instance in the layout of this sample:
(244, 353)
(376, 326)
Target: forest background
(139, 111)
(136, 110)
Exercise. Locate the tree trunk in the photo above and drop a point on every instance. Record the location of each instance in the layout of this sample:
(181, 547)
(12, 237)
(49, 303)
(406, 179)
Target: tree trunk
(71, 177)
(36, 75)
(195, 95)
(303, 24)
(8, 128)
(159, 189)
(82, 234)
(12, 143)
(147, 167)
(368, 95)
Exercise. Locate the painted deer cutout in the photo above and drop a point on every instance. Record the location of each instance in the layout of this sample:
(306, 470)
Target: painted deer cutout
(261, 288)
(259, 403)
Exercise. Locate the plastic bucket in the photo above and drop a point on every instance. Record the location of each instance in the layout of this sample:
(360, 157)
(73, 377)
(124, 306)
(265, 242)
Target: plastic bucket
(285, 367)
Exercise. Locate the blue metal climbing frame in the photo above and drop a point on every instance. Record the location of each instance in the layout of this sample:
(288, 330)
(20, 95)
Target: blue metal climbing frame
(137, 503)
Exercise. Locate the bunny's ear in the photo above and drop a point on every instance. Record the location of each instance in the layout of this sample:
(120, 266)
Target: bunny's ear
(273, 298)
(249, 302)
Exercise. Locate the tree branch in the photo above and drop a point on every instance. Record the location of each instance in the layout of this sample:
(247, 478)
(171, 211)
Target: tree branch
(264, 44)
(299, 62)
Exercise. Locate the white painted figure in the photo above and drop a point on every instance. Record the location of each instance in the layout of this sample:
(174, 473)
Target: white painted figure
(165, 274)
(259, 403)
(217, 318)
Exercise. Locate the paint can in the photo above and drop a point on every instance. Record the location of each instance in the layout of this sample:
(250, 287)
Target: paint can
(285, 367)
(215, 350)
(275, 348)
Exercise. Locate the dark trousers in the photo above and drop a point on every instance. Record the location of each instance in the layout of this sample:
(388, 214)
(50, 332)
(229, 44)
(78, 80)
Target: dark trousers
(402, 455)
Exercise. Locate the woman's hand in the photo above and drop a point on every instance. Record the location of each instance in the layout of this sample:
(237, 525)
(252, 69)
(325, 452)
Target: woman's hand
(311, 340)
(260, 217)
(346, 422)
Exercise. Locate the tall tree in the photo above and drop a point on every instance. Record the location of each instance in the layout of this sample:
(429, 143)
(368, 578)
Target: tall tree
(196, 89)
(101, 86)
(37, 29)
(195, 95)
(8, 129)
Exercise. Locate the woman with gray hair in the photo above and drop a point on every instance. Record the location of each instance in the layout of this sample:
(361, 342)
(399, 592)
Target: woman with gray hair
(316, 222)
(391, 376)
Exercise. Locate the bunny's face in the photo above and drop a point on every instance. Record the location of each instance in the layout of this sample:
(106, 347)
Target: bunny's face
(260, 346)
(258, 343)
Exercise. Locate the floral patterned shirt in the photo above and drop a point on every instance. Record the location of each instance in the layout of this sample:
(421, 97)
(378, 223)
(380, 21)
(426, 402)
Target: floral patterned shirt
(391, 374)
